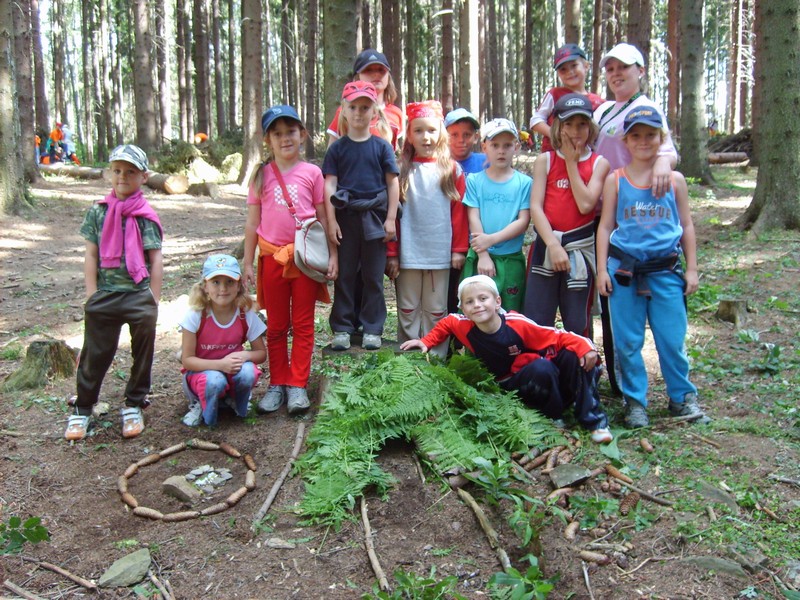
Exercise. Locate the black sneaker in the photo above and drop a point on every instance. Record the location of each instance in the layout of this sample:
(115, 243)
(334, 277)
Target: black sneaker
(689, 408)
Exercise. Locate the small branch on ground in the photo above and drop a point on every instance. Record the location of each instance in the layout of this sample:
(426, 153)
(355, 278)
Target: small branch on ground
(491, 534)
(784, 479)
(156, 582)
(373, 558)
(298, 443)
(586, 579)
(89, 585)
(21, 592)
(706, 440)
(646, 495)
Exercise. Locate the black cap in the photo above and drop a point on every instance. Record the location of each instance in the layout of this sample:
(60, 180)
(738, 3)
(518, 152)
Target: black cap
(573, 104)
(370, 57)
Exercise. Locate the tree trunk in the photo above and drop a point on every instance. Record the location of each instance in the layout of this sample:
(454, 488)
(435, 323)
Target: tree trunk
(233, 98)
(776, 201)
(39, 76)
(492, 52)
(735, 56)
(758, 92)
(202, 80)
(106, 100)
(219, 78)
(88, 31)
(410, 48)
(673, 65)
(146, 130)
(252, 99)
(287, 45)
(57, 41)
(338, 48)
(366, 30)
(182, 57)
(24, 79)
(597, 45)
(311, 87)
(745, 65)
(640, 21)
(12, 184)
(169, 183)
(447, 56)
(694, 134)
(572, 22)
(163, 66)
(469, 78)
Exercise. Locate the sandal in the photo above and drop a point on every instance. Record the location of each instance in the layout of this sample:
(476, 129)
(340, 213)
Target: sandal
(132, 421)
(76, 427)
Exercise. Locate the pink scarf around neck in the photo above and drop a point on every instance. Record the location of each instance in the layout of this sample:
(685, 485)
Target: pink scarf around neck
(112, 244)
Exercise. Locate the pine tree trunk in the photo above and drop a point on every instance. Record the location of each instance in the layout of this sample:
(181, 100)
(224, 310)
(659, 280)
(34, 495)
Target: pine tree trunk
(597, 45)
(202, 79)
(57, 42)
(106, 101)
(673, 65)
(758, 90)
(469, 79)
(144, 97)
(694, 134)
(447, 56)
(39, 76)
(219, 77)
(572, 22)
(339, 50)
(412, 94)
(735, 55)
(252, 90)
(776, 201)
(164, 47)
(24, 79)
(184, 101)
(233, 98)
(311, 87)
(88, 36)
(287, 46)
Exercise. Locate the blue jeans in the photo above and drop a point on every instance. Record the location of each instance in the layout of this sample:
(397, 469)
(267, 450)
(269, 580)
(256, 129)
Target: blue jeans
(665, 311)
(209, 387)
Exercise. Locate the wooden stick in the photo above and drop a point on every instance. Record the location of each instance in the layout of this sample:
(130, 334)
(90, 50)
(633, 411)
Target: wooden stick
(644, 494)
(521, 470)
(21, 592)
(158, 584)
(784, 479)
(586, 579)
(491, 534)
(298, 443)
(707, 441)
(373, 558)
(418, 465)
(647, 560)
(89, 585)
(10, 433)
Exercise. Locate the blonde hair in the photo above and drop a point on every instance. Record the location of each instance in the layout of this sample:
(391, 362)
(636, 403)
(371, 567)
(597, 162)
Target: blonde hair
(555, 132)
(257, 180)
(382, 125)
(199, 300)
(444, 163)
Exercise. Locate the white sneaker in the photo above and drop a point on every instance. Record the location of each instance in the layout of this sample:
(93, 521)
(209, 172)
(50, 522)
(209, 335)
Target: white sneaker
(341, 341)
(194, 417)
(297, 399)
(371, 341)
(273, 399)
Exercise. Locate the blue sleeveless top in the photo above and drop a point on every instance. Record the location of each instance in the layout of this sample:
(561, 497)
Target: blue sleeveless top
(647, 227)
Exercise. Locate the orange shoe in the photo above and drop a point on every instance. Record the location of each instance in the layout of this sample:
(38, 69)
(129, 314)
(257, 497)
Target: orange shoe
(132, 421)
(77, 425)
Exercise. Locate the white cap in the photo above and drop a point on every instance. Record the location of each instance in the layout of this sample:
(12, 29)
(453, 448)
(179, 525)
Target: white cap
(624, 53)
(483, 280)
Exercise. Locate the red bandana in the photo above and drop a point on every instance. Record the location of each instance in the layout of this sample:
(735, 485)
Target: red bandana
(424, 110)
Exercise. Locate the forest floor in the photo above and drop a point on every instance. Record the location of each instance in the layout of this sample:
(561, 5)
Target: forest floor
(733, 485)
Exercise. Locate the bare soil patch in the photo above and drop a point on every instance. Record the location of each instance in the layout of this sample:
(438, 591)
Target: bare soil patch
(421, 527)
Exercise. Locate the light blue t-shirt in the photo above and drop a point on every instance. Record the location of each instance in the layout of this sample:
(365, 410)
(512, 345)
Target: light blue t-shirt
(499, 204)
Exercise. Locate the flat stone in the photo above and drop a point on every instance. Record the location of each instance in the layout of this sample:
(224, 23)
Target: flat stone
(715, 494)
(178, 487)
(568, 475)
(280, 544)
(126, 571)
(201, 470)
(716, 564)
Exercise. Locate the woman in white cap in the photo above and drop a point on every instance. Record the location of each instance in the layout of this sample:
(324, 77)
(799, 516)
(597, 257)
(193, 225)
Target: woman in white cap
(624, 70)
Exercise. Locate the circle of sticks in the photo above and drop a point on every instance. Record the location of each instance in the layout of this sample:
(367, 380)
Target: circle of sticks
(151, 513)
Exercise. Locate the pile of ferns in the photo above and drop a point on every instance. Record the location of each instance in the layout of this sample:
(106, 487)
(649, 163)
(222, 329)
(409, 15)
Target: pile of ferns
(452, 414)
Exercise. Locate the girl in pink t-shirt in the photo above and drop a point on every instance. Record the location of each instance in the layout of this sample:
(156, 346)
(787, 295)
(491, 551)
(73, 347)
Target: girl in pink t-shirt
(287, 294)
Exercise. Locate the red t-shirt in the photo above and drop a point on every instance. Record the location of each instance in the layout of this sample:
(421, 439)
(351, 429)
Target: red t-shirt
(559, 202)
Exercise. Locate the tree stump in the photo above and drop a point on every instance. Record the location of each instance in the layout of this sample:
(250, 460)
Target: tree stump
(733, 310)
(44, 360)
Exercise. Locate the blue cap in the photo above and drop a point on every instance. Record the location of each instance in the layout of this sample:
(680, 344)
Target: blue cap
(277, 112)
(573, 104)
(646, 115)
(461, 114)
(221, 264)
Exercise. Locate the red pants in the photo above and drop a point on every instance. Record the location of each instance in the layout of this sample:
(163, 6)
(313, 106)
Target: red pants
(289, 302)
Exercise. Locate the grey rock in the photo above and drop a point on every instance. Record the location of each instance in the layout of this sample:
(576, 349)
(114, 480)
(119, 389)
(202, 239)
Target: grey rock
(716, 564)
(750, 558)
(201, 470)
(207, 489)
(280, 544)
(793, 573)
(177, 487)
(225, 474)
(715, 494)
(568, 475)
(126, 571)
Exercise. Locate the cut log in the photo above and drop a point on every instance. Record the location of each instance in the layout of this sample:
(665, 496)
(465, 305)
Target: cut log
(45, 359)
(168, 183)
(72, 171)
(732, 310)
(205, 189)
(719, 158)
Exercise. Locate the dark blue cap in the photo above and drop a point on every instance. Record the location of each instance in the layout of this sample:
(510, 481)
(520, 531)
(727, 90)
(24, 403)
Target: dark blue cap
(278, 112)
(573, 104)
(646, 115)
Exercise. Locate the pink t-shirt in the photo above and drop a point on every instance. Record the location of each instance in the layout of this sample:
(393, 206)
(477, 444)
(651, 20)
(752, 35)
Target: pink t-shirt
(305, 185)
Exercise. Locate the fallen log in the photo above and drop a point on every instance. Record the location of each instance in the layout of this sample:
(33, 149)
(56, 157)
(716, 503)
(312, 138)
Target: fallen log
(72, 171)
(721, 158)
(169, 183)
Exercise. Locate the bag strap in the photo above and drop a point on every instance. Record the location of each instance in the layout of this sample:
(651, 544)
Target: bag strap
(286, 196)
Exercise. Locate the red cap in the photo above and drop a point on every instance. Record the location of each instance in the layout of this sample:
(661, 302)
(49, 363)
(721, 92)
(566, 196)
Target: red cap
(359, 89)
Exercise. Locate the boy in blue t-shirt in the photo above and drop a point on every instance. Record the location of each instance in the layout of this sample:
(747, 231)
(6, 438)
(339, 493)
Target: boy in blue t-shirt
(498, 208)
(462, 134)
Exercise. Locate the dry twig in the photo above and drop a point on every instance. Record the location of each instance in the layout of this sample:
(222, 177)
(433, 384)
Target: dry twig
(784, 479)
(373, 558)
(298, 443)
(21, 592)
(156, 582)
(706, 440)
(646, 495)
(89, 585)
(647, 560)
(586, 580)
(491, 534)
